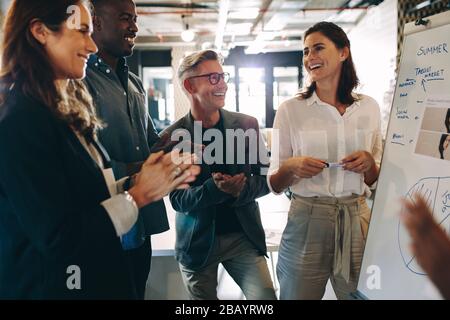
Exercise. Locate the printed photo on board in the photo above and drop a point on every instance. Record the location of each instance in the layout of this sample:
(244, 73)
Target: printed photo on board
(433, 144)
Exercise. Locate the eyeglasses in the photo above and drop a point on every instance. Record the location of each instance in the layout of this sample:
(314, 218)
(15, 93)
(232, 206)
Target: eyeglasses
(214, 77)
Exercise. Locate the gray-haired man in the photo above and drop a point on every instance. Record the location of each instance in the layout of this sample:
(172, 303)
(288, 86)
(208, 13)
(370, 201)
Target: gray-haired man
(217, 218)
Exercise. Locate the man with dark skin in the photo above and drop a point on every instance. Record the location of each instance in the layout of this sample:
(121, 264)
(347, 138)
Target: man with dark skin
(129, 136)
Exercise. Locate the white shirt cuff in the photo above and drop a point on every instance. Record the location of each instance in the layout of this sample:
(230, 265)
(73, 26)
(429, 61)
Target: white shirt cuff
(123, 212)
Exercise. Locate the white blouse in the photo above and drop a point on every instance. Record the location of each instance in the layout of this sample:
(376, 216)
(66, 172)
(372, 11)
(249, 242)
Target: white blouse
(311, 127)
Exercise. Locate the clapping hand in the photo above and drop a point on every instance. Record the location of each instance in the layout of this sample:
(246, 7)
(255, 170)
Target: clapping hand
(162, 173)
(230, 184)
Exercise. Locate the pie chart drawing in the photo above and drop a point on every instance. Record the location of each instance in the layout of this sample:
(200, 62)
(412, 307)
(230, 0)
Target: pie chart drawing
(436, 191)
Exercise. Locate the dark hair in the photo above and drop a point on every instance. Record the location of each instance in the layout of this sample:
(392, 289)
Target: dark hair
(447, 121)
(441, 144)
(26, 66)
(348, 79)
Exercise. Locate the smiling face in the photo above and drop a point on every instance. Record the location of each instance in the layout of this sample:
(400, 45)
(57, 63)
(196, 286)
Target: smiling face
(117, 28)
(204, 94)
(69, 48)
(322, 59)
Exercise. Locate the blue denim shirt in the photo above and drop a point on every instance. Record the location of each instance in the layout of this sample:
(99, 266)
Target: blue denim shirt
(121, 103)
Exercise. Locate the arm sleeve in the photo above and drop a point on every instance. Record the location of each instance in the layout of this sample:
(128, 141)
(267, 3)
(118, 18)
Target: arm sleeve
(39, 191)
(123, 211)
(377, 147)
(152, 135)
(281, 148)
(198, 197)
(255, 187)
(377, 150)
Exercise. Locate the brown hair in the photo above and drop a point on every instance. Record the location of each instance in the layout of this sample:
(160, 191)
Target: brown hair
(447, 121)
(26, 66)
(348, 79)
(441, 144)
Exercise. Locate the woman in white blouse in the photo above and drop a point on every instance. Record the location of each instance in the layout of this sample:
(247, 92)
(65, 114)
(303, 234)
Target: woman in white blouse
(329, 155)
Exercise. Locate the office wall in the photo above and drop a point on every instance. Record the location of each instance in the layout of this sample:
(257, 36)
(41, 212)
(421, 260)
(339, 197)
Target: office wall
(374, 49)
(182, 104)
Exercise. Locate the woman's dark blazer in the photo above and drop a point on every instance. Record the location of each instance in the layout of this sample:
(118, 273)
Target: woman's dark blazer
(54, 233)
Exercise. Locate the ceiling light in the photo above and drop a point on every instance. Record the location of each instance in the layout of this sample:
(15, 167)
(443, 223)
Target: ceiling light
(423, 5)
(188, 35)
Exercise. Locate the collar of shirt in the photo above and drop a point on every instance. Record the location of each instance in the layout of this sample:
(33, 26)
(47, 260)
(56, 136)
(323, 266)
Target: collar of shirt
(219, 125)
(314, 99)
(97, 63)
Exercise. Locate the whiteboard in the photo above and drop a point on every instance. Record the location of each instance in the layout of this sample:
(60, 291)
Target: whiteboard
(411, 163)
